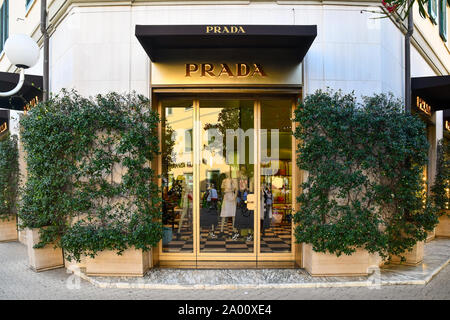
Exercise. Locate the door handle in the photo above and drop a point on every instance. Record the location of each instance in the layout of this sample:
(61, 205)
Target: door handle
(251, 202)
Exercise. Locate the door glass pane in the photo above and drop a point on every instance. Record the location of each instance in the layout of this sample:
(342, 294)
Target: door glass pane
(226, 176)
(276, 176)
(177, 175)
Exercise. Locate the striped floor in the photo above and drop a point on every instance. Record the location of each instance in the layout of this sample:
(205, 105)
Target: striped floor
(277, 238)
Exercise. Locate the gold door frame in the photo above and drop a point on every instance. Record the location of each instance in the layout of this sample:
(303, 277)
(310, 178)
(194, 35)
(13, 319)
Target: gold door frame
(191, 259)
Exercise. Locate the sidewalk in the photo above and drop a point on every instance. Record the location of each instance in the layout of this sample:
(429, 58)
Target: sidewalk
(437, 256)
(18, 281)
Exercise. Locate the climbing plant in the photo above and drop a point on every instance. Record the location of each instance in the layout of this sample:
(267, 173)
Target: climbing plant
(402, 8)
(364, 185)
(9, 176)
(90, 184)
(441, 188)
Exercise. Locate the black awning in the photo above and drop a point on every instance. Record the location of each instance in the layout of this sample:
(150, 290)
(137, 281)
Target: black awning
(154, 38)
(446, 118)
(446, 115)
(32, 88)
(434, 90)
(4, 116)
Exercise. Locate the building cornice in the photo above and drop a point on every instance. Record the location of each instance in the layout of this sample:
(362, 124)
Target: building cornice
(59, 9)
(422, 45)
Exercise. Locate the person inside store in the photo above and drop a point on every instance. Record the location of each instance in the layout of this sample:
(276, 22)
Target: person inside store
(209, 211)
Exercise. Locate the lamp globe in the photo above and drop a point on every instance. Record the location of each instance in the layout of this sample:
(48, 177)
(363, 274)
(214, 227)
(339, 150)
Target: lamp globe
(22, 51)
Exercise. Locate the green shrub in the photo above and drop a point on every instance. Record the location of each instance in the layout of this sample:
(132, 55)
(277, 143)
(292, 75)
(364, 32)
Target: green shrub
(9, 176)
(90, 185)
(440, 189)
(364, 187)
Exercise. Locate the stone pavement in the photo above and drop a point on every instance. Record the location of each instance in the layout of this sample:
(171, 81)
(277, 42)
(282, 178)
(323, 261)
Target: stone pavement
(437, 256)
(17, 281)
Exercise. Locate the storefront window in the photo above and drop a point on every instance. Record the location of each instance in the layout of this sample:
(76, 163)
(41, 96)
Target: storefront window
(208, 176)
(177, 176)
(276, 176)
(226, 176)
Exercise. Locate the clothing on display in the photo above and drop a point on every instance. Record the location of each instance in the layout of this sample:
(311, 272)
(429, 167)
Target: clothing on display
(229, 198)
(244, 217)
(212, 195)
(266, 208)
(209, 212)
(172, 198)
(186, 204)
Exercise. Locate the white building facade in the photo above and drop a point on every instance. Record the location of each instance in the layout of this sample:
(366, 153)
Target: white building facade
(94, 49)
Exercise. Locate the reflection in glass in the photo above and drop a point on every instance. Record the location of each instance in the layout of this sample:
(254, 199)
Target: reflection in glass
(226, 176)
(276, 176)
(177, 176)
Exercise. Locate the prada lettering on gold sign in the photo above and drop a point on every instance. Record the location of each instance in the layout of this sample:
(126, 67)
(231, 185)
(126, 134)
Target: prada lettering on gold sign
(235, 70)
(3, 127)
(225, 29)
(447, 125)
(423, 106)
(30, 105)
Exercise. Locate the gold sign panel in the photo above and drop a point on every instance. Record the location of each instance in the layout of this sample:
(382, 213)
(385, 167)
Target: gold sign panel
(225, 29)
(3, 127)
(423, 106)
(227, 67)
(30, 105)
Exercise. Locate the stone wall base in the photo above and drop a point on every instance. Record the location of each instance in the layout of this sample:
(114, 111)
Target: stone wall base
(8, 230)
(43, 259)
(132, 263)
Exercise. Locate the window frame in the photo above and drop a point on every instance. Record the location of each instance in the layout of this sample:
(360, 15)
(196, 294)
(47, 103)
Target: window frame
(4, 24)
(443, 19)
(433, 8)
(188, 142)
(29, 3)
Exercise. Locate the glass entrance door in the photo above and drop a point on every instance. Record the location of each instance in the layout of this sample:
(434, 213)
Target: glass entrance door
(226, 176)
(226, 179)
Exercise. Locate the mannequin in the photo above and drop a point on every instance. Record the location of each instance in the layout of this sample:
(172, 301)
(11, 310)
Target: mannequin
(186, 198)
(266, 207)
(229, 191)
(243, 215)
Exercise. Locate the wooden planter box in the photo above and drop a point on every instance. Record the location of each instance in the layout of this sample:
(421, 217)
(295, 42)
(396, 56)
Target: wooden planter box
(443, 228)
(325, 264)
(431, 235)
(412, 257)
(73, 265)
(132, 263)
(23, 237)
(43, 259)
(8, 229)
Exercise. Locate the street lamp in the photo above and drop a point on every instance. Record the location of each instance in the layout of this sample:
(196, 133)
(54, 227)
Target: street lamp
(23, 52)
